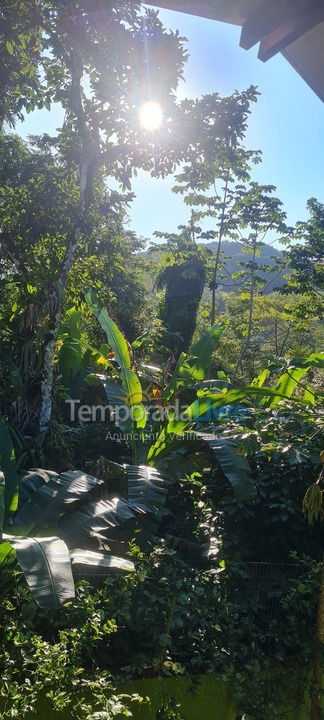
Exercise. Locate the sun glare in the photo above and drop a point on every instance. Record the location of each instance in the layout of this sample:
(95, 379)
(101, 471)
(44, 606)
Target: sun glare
(151, 116)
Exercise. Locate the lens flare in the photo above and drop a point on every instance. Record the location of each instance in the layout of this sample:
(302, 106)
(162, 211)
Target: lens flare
(151, 116)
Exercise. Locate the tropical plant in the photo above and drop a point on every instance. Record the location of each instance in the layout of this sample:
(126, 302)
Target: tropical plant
(52, 520)
(55, 521)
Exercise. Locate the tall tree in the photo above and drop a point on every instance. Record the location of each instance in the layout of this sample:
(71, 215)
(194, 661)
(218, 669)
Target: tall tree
(258, 213)
(101, 63)
(218, 162)
(182, 274)
(39, 199)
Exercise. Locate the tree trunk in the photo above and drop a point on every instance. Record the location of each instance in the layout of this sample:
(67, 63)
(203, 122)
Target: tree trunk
(214, 284)
(55, 299)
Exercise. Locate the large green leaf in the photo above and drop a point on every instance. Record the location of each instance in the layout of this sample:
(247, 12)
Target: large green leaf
(8, 489)
(285, 386)
(118, 344)
(117, 400)
(203, 405)
(31, 481)
(192, 368)
(147, 487)
(51, 500)
(261, 378)
(201, 408)
(102, 520)
(314, 360)
(7, 554)
(99, 563)
(175, 380)
(47, 568)
(115, 338)
(71, 352)
(234, 466)
(201, 354)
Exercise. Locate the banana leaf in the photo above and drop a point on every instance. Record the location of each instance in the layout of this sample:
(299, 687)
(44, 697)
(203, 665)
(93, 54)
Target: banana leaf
(261, 378)
(52, 500)
(98, 563)
(201, 407)
(147, 487)
(201, 354)
(117, 398)
(175, 381)
(46, 565)
(31, 481)
(102, 520)
(234, 466)
(7, 554)
(71, 352)
(118, 344)
(285, 386)
(8, 490)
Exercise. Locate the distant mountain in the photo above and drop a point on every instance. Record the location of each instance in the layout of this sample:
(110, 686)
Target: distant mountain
(233, 255)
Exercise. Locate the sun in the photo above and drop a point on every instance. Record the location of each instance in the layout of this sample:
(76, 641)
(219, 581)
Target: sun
(151, 116)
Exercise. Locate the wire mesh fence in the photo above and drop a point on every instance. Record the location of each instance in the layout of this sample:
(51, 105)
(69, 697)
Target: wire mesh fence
(262, 586)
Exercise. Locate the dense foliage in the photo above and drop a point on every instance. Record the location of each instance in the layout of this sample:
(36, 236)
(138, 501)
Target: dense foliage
(176, 526)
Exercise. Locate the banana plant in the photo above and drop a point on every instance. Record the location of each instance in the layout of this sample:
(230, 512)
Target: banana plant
(175, 437)
(61, 525)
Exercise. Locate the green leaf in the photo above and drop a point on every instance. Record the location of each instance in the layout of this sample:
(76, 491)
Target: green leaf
(175, 380)
(47, 568)
(315, 360)
(261, 378)
(147, 487)
(136, 344)
(287, 384)
(115, 338)
(309, 396)
(201, 354)
(101, 562)
(8, 467)
(2, 501)
(103, 519)
(234, 465)
(201, 406)
(53, 499)
(32, 481)
(10, 47)
(118, 344)
(7, 554)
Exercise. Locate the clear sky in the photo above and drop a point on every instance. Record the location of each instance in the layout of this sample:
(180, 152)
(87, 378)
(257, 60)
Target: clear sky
(286, 124)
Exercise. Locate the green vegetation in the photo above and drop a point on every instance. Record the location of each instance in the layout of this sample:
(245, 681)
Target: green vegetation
(161, 409)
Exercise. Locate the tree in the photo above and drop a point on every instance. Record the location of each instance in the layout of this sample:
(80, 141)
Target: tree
(101, 66)
(218, 162)
(276, 330)
(21, 42)
(304, 258)
(39, 201)
(182, 274)
(258, 213)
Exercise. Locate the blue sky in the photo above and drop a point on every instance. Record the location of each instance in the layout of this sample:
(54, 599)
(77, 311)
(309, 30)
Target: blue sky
(286, 124)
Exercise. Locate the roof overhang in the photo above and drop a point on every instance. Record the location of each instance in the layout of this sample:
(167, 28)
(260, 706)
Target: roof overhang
(293, 27)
